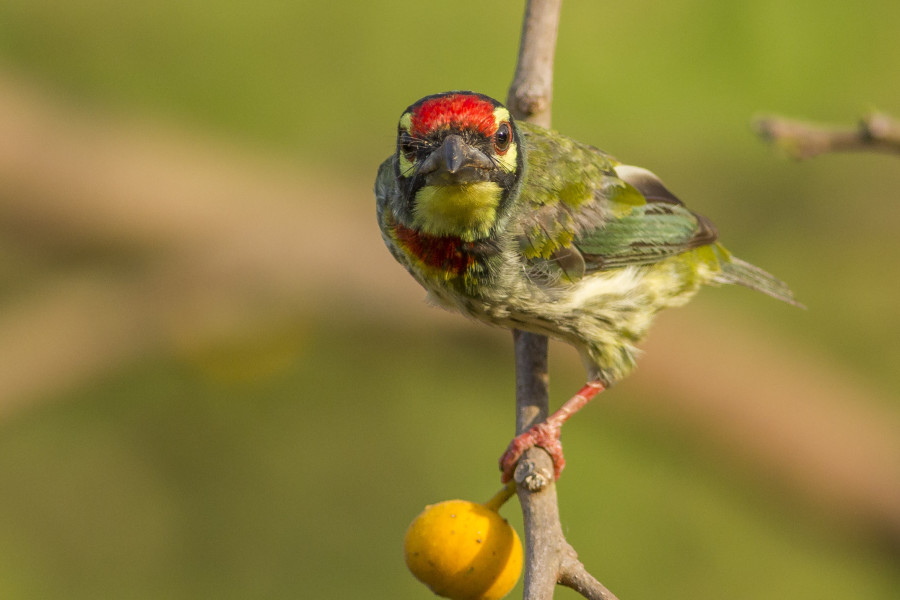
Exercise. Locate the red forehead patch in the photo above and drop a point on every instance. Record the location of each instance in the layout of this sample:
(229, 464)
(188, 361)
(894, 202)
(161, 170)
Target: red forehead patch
(459, 110)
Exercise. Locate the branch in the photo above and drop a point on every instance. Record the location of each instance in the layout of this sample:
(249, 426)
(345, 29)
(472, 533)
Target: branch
(531, 92)
(876, 132)
(549, 558)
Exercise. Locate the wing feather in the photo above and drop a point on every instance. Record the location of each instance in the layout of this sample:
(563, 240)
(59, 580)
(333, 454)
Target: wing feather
(610, 214)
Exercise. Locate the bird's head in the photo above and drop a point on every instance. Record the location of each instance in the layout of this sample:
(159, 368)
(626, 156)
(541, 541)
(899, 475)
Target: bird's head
(458, 163)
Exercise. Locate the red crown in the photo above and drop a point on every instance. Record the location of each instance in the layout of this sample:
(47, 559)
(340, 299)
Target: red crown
(463, 111)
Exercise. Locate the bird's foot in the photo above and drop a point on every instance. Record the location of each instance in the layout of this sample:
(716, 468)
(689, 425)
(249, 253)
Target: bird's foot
(545, 435)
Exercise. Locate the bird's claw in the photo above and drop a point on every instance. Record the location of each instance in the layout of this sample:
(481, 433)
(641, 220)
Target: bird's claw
(543, 435)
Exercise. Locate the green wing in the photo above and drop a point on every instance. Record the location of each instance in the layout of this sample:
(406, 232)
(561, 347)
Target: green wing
(585, 212)
(643, 233)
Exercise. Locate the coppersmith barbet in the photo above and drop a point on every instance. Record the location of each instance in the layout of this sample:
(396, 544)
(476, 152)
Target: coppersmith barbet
(526, 228)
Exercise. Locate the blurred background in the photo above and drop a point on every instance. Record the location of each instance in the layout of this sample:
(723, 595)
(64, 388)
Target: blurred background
(216, 383)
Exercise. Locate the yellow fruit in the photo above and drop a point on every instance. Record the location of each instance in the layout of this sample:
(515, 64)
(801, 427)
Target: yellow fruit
(464, 551)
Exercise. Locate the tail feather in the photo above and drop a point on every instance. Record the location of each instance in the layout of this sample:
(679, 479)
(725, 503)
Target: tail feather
(735, 270)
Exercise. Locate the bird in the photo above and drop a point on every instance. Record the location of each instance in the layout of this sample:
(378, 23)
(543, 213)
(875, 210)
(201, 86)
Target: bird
(525, 228)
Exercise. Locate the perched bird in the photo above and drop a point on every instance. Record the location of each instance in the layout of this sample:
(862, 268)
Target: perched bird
(526, 228)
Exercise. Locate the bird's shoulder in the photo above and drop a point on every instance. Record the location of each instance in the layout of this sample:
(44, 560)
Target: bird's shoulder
(385, 181)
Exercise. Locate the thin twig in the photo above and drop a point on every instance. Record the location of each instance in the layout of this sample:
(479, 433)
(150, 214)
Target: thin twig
(573, 574)
(549, 558)
(531, 93)
(876, 132)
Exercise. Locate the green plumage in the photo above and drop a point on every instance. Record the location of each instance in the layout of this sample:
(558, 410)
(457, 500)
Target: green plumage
(581, 248)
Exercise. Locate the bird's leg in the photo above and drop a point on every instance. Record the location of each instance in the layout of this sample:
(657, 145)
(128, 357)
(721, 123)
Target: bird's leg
(546, 434)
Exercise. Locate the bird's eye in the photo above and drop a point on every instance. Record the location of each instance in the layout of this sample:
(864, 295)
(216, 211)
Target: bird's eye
(502, 138)
(408, 147)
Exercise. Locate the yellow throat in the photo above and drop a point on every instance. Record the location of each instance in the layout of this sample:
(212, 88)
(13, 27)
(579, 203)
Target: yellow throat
(466, 211)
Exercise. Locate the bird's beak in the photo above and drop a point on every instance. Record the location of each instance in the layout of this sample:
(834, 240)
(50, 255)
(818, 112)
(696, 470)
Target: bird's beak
(456, 162)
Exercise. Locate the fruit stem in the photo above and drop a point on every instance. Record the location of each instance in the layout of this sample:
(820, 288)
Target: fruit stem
(500, 498)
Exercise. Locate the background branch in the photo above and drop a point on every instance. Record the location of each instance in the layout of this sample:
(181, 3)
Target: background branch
(876, 132)
(549, 558)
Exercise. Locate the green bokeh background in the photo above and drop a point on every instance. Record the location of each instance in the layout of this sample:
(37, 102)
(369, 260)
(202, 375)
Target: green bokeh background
(159, 481)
